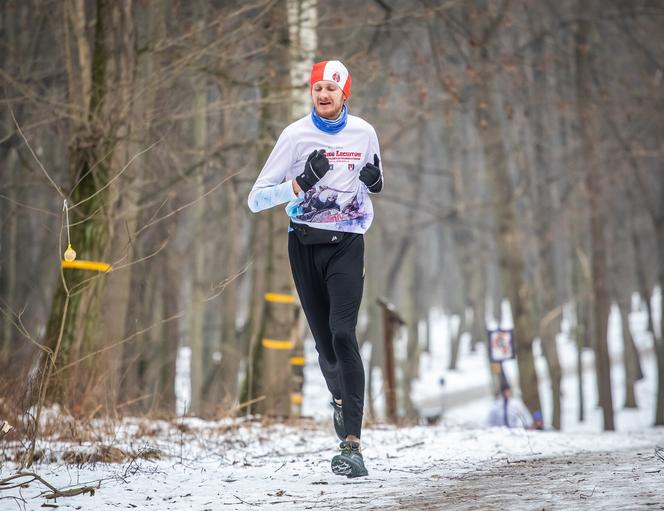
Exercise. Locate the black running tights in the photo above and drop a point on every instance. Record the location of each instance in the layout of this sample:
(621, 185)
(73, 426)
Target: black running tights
(329, 280)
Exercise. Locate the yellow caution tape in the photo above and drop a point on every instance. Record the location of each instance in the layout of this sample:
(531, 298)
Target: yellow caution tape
(297, 361)
(296, 399)
(277, 345)
(86, 265)
(279, 298)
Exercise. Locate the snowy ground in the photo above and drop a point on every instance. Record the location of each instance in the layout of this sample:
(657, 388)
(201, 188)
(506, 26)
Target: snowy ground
(457, 464)
(249, 465)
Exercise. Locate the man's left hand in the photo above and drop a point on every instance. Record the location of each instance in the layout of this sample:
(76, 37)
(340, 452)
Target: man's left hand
(370, 175)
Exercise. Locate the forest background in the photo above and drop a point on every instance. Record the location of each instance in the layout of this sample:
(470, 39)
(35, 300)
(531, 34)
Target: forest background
(523, 160)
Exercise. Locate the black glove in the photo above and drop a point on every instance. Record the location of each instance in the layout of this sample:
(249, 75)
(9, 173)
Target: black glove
(370, 175)
(316, 167)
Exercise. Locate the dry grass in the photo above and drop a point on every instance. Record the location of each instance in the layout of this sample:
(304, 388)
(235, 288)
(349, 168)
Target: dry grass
(108, 454)
(72, 440)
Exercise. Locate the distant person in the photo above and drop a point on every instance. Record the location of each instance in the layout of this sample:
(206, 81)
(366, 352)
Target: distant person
(324, 166)
(508, 411)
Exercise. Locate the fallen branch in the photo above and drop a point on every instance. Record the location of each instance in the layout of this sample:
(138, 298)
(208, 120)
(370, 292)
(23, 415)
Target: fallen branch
(244, 501)
(409, 446)
(54, 493)
(247, 403)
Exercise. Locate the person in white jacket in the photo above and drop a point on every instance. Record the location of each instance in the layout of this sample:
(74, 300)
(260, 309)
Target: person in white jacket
(508, 411)
(325, 166)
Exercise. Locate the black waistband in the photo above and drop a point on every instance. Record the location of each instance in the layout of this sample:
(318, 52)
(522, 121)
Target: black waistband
(308, 235)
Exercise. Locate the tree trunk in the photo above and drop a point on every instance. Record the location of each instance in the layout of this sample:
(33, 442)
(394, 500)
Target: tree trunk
(224, 387)
(273, 350)
(77, 300)
(139, 383)
(509, 245)
(548, 333)
(123, 197)
(159, 354)
(467, 300)
(542, 206)
(199, 367)
(9, 246)
(631, 362)
(510, 248)
(583, 327)
(373, 331)
(273, 377)
(593, 187)
(455, 341)
(9, 212)
(643, 288)
(257, 249)
(659, 334)
(170, 337)
(413, 278)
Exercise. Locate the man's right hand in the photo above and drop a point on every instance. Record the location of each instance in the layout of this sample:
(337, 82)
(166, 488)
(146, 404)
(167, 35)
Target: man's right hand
(315, 168)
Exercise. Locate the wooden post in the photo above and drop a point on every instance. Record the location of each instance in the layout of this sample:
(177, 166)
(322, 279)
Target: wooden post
(390, 383)
(277, 346)
(391, 322)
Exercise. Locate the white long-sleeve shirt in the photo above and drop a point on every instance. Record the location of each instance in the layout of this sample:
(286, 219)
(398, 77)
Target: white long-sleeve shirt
(512, 414)
(339, 201)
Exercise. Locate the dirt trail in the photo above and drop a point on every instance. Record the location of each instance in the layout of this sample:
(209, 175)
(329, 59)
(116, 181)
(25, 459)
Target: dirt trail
(618, 480)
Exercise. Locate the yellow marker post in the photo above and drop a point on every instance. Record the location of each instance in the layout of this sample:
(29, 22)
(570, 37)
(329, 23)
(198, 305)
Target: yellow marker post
(277, 345)
(87, 265)
(69, 257)
(279, 298)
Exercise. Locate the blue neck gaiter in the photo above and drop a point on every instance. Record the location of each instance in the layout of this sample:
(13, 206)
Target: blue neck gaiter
(330, 126)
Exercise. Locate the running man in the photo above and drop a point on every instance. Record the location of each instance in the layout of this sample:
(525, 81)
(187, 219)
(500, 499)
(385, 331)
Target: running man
(324, 166)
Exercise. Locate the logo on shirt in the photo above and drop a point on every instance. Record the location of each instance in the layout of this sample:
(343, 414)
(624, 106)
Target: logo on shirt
(351, 166)
(343, 155)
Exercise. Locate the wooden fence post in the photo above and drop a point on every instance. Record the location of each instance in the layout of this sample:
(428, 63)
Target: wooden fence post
(391, 322)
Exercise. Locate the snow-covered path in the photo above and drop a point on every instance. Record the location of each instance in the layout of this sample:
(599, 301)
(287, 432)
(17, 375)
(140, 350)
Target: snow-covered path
(629, 480)
(249, 465)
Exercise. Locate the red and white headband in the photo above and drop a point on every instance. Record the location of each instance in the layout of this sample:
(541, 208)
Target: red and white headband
(334, 71)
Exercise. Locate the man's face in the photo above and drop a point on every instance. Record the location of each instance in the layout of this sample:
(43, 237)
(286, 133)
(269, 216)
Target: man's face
(328, 99)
